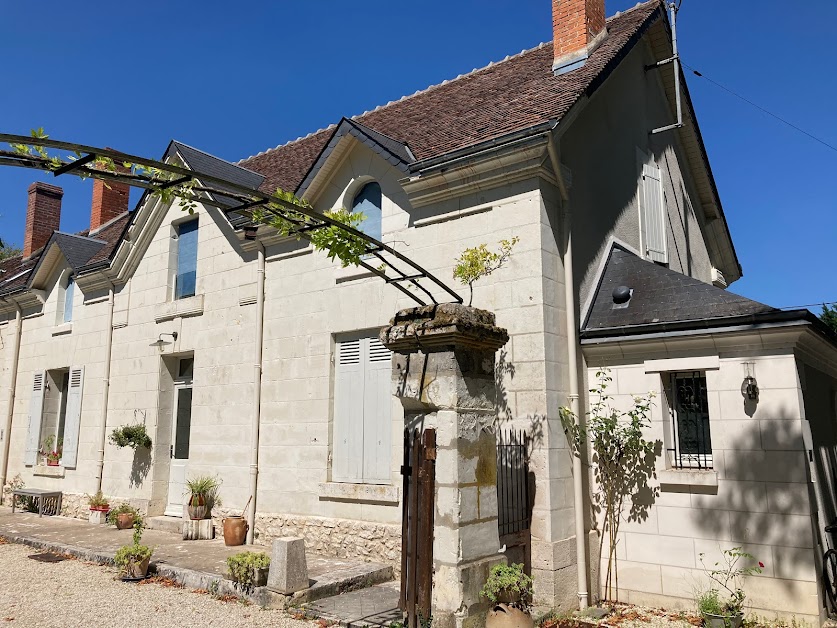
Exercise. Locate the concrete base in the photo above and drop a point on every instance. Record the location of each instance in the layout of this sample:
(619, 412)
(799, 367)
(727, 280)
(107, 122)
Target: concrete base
(288, 568)
(198, 530)
(97, 517)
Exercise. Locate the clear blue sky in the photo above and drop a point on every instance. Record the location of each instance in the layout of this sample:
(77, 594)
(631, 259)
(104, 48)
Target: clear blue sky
(235, 78)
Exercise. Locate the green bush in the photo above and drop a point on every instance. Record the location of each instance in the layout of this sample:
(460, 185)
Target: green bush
(241, 566)
(508, 583)
(134, 553)
(133, 436)
(123, 508)
(709, 602)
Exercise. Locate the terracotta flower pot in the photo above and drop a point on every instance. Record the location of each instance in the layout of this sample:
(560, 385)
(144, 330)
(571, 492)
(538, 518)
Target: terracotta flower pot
(197, 507)
(124, 521)
(235, 530)
(135, 570)
(505, 616)
(723, 621)
(52, 463)
(104, 508)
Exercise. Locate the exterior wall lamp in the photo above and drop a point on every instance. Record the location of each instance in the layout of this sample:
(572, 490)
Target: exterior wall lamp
(750, 387)
(160, 342)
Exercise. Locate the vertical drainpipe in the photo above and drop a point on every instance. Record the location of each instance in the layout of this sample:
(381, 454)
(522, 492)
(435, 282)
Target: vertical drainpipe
(100, 472)
(257, 394)
(572, 361)
(7, 430)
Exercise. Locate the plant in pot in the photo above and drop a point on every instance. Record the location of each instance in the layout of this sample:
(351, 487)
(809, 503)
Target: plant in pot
(132, 560)
(249, 569)
(52, 454)
(133, 436)
(124, 517)
(203, 496)
(509, 590)
(722, 604)
(98, 502)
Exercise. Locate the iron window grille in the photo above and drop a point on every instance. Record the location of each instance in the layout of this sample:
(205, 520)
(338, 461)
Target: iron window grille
(689, 409)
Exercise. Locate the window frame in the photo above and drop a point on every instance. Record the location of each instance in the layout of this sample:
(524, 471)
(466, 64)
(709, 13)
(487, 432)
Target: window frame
(178, 258)
(364, 227)
(703, 458)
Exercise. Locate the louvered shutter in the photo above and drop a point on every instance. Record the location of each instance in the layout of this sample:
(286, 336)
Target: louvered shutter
(348, 413)
(72, 423)
(36, 409)
(377, 412)
(653, 214)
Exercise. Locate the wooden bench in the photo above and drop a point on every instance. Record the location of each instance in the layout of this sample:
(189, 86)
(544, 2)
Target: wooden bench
(40, 495)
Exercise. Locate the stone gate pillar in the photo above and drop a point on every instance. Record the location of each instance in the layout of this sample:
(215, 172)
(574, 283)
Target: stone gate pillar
(443, 373)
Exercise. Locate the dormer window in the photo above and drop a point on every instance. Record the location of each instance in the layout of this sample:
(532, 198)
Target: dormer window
(368, 202)
(69, 293)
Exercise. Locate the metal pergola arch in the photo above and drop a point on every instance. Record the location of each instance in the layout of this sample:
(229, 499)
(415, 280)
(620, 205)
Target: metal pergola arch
(394, 268)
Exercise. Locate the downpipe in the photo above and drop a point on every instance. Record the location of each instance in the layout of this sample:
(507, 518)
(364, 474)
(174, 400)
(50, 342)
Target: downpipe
(100, 466)
(257, 395)
(7, 429)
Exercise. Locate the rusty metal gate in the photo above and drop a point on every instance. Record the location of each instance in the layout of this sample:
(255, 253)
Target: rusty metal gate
(419, 471)
(514, 507)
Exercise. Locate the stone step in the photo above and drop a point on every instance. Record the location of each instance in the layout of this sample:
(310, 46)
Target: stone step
(339, 579)
(165, 524)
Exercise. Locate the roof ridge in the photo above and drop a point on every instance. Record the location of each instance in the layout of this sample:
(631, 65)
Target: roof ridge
(288, 143)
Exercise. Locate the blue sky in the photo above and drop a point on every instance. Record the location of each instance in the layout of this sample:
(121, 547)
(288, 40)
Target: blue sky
(237, 78)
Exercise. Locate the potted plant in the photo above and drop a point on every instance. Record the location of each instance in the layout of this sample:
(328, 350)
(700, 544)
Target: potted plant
(722, 604)
(509, 590)
(52, 455)
(203, 495)
(249, 569)
(235, 527)
(133, 436)
(132, 560)
(98, 508)
(123, 517)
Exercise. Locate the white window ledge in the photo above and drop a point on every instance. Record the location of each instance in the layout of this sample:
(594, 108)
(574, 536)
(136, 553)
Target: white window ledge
(48, 471)
(688, 477)
(381, 493)
(698, 363)
(350, 273)
(63, 328)
(190, 306)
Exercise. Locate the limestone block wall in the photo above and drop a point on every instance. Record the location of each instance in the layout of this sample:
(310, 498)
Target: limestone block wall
(755, 497)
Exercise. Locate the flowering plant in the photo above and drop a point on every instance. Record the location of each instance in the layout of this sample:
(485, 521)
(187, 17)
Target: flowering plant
(727, 574)
(53, 455)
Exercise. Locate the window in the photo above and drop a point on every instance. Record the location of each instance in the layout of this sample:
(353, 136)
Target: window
(69, 293)
(653, 214)
(368, 202)
(55, 414)
(362, 411)
(691, 443)
(187, 259)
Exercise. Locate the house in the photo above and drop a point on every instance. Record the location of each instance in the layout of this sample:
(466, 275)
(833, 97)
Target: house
(201, 329)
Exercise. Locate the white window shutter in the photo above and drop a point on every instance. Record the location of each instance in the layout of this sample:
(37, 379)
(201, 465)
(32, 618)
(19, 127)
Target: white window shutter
(36, 409)
(347, 461)
(653, 214)
(377, 413)
(72, 424)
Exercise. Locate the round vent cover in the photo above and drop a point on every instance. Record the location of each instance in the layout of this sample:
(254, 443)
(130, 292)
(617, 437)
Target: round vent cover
(621, 294)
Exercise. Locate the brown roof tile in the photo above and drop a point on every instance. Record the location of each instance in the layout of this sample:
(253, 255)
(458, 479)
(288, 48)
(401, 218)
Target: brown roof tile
(508, 96)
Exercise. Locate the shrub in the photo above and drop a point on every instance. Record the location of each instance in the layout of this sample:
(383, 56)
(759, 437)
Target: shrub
(98, 500)
(206, 486)
(133, 436)
(508, 583)
(134, 553)
(241, 566)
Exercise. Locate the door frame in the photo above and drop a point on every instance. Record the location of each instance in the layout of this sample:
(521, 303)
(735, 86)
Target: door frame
(179, 384)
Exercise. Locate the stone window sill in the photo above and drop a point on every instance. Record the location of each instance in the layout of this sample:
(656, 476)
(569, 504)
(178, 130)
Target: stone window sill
(345, 491)
(688, 477)
(48, 471)
(190, 306)
(351, 273)
(63, 328)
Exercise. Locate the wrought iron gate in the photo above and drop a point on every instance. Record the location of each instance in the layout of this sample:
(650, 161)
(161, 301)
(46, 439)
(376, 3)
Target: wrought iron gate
(514, 508)
(419, 471)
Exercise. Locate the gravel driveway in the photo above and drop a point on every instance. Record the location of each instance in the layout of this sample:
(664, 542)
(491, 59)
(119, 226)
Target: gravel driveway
(74, 593)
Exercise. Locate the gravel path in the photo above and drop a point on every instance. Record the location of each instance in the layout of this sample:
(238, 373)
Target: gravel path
(75, 593)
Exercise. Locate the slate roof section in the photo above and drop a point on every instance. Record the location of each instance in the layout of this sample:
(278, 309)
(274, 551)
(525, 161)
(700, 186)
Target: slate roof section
(660, 296)
(77, 250)
(515, 94)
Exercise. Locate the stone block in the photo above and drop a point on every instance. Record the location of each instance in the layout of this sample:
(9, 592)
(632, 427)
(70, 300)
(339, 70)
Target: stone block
(198, 530)
(288, 567)
(97, 517)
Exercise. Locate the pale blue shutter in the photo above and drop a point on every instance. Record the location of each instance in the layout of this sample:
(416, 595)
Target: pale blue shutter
(368, 202)
(72, 423)
(347, 461)
(36, 409)
(377, 412)
(653, 215)
(187, 260)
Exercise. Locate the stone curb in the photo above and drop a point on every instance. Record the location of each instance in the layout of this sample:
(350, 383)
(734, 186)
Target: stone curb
(189, 578)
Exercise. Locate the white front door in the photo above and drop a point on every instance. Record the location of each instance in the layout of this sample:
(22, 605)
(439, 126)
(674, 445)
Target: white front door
(179, 451)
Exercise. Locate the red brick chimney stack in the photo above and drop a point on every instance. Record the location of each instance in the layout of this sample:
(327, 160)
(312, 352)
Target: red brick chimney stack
(109, 201)
(578, 27)
(43, 216)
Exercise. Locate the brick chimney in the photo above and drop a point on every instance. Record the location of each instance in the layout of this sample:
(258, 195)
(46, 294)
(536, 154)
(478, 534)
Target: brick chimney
(109, 201)
(43, 216)
(578, 27)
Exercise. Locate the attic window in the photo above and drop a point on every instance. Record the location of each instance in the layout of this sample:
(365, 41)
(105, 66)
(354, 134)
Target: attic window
(69, 293)
(368, 202)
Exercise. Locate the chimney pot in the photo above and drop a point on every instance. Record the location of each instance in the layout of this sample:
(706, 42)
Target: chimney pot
(578, 27)
(43, 216)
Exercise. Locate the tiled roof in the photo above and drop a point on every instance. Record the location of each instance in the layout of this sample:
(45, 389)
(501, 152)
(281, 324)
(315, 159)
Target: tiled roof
(514, 94)
(660, 296)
